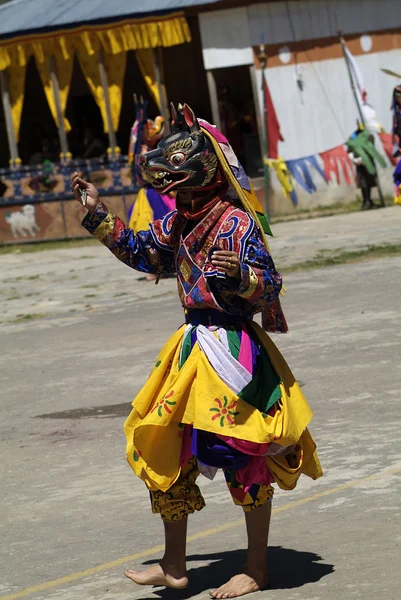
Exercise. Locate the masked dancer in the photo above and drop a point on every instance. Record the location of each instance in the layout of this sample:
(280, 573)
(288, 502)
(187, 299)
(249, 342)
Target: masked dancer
(220, 395)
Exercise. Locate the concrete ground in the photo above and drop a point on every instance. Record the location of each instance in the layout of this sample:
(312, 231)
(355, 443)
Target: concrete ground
(77, 341)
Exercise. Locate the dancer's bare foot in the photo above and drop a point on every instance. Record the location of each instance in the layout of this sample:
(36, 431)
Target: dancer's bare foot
(242, 584)
(159, 575)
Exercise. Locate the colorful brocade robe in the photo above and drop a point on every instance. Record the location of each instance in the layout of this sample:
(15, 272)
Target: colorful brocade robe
(242, 390)
(165, 248)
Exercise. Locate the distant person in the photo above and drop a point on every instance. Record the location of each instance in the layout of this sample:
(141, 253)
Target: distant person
(93, 145)
(231, 119)
(366, 175)
(46, 153)
(150, 204)
(396, 131)
(397, 183)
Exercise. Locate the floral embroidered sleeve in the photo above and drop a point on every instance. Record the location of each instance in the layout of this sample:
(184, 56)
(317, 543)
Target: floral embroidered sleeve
(142, 252)
(260, 282)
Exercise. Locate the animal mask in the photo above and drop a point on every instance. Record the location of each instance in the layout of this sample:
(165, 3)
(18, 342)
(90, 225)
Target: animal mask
(184, 160)
(153, 131)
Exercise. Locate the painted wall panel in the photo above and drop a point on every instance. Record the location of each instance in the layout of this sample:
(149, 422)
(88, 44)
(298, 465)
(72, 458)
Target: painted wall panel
(324, 114)
(225, 38)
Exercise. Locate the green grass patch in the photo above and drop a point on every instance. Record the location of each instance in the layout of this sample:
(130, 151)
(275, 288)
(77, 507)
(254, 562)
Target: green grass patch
(338, 208)
(329, 258)
(28, 317)
(21, 278)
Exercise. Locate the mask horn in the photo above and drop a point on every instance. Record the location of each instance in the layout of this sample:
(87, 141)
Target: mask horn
(190, 119)
(175, 122)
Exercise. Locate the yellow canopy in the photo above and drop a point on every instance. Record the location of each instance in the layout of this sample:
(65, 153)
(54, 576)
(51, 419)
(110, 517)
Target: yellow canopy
(112, 39)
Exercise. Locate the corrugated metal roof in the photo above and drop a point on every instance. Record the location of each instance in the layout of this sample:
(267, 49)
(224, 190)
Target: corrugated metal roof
(27, 16)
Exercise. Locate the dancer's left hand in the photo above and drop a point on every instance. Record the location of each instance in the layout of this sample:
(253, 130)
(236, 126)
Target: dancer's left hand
(227, 262)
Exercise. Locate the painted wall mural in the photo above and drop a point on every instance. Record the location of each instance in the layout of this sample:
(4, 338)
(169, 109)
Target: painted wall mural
(36, 202)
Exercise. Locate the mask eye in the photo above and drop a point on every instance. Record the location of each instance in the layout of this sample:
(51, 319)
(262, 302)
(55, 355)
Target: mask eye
(177, 159)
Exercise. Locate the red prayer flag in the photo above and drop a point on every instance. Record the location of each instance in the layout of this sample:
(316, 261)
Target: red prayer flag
(387, 141)
(273, 126)
(332, 159)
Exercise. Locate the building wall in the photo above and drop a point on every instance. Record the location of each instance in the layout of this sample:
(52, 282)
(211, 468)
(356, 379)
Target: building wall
(303, 47)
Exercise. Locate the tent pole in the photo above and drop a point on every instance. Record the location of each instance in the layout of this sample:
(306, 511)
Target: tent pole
(62, 135)
(214, 99)
(161, 89)
(263, 61)
(105, 85)
(11, 137)
(252, 72)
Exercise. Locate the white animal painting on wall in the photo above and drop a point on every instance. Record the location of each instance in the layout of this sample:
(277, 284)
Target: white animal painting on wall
(23, 222)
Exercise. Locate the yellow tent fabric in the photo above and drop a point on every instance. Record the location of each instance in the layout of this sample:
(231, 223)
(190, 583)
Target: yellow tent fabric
(115, 68)
(16, 85)
(113, 38)
(146, 65)
(64, 72)
(172, 396)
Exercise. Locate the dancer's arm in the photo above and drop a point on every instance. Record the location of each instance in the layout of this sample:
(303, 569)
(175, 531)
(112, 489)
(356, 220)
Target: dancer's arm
(260, 282)
(141, 252)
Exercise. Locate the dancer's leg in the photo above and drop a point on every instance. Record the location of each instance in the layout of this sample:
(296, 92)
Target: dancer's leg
(257, 505)
(182, 499)
(254, 576)
(171, 571)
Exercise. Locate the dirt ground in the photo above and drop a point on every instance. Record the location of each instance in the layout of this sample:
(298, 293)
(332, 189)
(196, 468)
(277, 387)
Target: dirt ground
(79, 333)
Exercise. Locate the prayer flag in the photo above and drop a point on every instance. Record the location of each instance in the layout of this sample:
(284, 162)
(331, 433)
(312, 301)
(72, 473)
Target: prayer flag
(273, 126)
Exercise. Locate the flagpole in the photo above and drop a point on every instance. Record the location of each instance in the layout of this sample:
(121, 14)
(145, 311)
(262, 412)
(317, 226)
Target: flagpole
(342, 42)
(265, 136)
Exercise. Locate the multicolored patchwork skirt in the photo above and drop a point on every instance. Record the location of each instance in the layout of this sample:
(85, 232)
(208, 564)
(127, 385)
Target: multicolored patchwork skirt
(226, 396)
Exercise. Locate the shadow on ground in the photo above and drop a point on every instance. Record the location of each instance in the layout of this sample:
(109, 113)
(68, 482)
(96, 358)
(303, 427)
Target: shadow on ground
(288, 569)
(111, 410)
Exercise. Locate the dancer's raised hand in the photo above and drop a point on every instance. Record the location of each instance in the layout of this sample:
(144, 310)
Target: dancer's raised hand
(92, 195)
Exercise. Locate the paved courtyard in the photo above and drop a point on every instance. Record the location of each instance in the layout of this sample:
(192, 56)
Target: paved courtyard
(79, 333)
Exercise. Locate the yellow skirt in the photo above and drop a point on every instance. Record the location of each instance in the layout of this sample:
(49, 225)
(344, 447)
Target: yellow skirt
(172, 397)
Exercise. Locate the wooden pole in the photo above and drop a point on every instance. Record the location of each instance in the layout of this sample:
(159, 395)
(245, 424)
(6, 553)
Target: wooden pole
(62, 135)
(214, 99)
(342, 42)
(11, 137)
(263, 60)
(105, 85)
(252, 72)
(161, 89)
